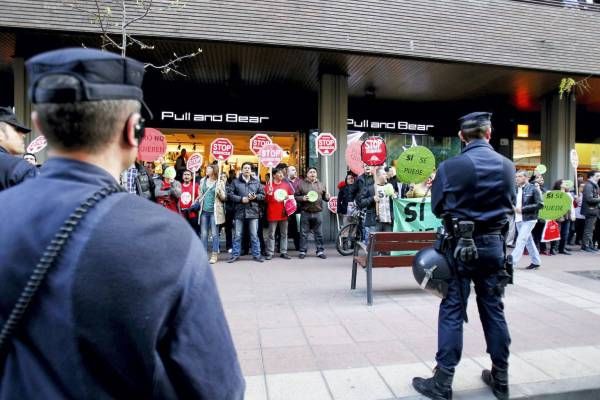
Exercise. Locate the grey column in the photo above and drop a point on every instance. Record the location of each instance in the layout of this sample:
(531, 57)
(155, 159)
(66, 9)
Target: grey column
(333, 118)
(558, 137)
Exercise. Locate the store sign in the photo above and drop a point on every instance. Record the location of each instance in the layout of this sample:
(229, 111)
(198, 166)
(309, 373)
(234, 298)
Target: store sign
(221, 149)
(194, 162)
(332, 204)
(153, 145)
(37, 145)
(373, 151)
(258, 141)
(405, 126)
(326, 144)
(270, 155)
(226, 118)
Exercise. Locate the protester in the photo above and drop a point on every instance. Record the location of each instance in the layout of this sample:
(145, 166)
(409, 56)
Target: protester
(527, 205)
(167, 190)
(129, 308)
(310, 196)
(378, 204)
(577, 234)
(190, 192)
(212, 212)
(13, 169)
(246, 192)
(30, 158)
(590, 210)
(276, 193)
(180, 165)
(537, 180)
(136, 180)
(346, 200)
(565, 221)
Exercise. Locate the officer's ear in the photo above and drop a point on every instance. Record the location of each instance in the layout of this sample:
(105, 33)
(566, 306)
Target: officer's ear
(461, 137)
(134, 130)
(488, 134)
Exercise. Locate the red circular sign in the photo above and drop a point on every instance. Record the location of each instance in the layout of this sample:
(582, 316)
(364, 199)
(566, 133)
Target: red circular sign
(221, 149)
(326, 144)
(332, 204)
(153, 145)
(194, 162)
(37, 144)
(270, 155)
(258, 141)
(353, 159)
(373, 151)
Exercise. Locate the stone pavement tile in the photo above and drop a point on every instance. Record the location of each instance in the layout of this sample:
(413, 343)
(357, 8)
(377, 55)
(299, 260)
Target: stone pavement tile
(297, 386)
(341, 361)
(594, 310)
(519, 370)
(388, 352)
(252, 366)
(282, 337)
(277, 316)
(587, 355)
(315, 315)
(399, 377)
(278, 360)
(245, 339)
(327, 335)
(357, 384)
(579, 302)
(368, 330)
(255, 388)
(555, 364)
(467, 375)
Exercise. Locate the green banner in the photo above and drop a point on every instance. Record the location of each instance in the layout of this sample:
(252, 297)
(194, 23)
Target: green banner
(414, 215)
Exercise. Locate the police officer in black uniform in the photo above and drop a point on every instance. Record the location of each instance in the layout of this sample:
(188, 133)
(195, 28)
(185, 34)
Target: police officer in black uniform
(13, 169)
(126, 306)
(473, 193)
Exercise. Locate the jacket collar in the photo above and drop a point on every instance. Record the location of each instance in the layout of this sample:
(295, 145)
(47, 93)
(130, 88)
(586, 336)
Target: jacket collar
(3, 150)
(241, 178)
(477, 143)
(74, 170)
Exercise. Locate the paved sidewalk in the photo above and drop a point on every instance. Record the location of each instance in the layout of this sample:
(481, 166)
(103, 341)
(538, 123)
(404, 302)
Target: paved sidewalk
(301, 333)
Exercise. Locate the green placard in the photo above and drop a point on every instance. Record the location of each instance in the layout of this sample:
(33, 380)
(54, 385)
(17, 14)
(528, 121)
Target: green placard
(541, 169)
(556, 204)
(312, 196)
(415, 165)
(388, 189)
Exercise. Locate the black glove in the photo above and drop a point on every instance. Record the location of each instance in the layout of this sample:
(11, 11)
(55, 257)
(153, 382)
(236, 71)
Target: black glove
(466, 250)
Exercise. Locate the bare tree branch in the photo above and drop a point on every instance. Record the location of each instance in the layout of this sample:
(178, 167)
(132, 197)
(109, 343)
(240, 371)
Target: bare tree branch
(172, 64)
(141, 44)
(147, 11)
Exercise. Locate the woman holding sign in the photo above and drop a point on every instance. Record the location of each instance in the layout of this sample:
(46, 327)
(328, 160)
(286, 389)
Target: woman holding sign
(277, 192)
(212, 213)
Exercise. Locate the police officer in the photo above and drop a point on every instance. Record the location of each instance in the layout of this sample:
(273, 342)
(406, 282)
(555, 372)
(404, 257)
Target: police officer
(474, 190)
(129, 307)
(13, 169)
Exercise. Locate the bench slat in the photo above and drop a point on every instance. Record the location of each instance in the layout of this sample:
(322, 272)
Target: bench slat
(392, 261)
(395, 236)
(401, 246)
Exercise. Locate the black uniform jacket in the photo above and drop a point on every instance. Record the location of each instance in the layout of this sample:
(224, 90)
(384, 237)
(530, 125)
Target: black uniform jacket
(476, 185)
(14, 170)
(130, 310)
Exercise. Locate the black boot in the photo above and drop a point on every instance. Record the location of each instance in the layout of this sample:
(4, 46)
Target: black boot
(497, 380)
(439, 387)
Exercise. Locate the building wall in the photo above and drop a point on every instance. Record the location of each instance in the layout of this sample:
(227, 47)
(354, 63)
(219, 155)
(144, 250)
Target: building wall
(500, 32)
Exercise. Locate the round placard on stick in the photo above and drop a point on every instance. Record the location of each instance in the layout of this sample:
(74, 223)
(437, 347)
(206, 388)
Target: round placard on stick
(280, 195)
(415, 165)
(541, 169)
(312, 196)
(556, 204)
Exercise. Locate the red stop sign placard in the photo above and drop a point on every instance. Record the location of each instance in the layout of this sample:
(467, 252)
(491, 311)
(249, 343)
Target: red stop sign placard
(153, 145)
(332, 204)
(326, 144)
(221, 149)
(258, 141)
(270, 155)
(194, 162)
(37, 144)
(373, 151)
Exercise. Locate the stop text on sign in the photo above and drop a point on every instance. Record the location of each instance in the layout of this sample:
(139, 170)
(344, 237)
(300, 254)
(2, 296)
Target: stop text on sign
(326, 144)
(258, 141)
(221, 149)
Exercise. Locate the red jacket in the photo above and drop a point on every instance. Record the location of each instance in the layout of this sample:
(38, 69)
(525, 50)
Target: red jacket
(276, 209)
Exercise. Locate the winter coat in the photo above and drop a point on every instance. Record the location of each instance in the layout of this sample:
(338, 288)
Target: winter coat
(276, 209)
(14, 170)
(239, 189)
(532, 202)
(366, 201)
(591, 198)
(345, 196)
(303, 188)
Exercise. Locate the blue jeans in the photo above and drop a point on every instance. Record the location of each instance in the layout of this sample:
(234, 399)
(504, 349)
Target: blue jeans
(483, 272)
(208, 222)
(237, 239)
(524, 238)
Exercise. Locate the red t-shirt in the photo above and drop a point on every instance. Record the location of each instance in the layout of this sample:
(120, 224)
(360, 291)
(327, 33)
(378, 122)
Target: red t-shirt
(169, 202)
(276, 209)
(185, 201)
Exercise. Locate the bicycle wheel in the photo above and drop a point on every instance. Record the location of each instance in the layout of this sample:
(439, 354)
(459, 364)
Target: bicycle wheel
(344, 243)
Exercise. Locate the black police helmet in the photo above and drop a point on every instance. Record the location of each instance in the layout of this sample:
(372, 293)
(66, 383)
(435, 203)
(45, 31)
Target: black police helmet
(431, 271)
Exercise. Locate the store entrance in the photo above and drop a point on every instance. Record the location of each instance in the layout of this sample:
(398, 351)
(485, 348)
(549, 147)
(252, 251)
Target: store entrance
(199, 140)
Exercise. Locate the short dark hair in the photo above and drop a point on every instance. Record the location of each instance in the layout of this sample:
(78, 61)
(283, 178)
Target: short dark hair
(557, 185)
(246, 163)
(281, 166)
(30, 154)
(308, 170)
(87, 125)
(276, 170)
(591, 173)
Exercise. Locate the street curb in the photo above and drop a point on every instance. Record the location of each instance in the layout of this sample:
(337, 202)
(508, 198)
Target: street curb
(585, 388)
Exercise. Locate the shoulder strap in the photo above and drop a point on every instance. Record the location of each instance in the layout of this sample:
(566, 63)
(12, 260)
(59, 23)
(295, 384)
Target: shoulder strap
(51, 253)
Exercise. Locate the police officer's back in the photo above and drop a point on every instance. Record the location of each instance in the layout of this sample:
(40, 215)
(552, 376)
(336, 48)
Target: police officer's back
(473, 193)
(130, 308)
(13, 169)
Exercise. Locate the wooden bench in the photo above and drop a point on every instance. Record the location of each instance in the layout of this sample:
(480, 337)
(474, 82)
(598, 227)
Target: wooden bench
(376, 253)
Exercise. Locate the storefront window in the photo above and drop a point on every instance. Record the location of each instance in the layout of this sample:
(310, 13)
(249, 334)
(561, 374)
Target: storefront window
(527, 154)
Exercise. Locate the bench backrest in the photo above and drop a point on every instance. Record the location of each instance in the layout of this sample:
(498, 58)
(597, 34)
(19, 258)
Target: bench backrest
(397, 241)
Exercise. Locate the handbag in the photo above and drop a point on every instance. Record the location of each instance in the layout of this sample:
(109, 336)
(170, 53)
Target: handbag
(290, 204)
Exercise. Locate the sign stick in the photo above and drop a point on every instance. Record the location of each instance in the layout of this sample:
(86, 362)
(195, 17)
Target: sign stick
(193, 187)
